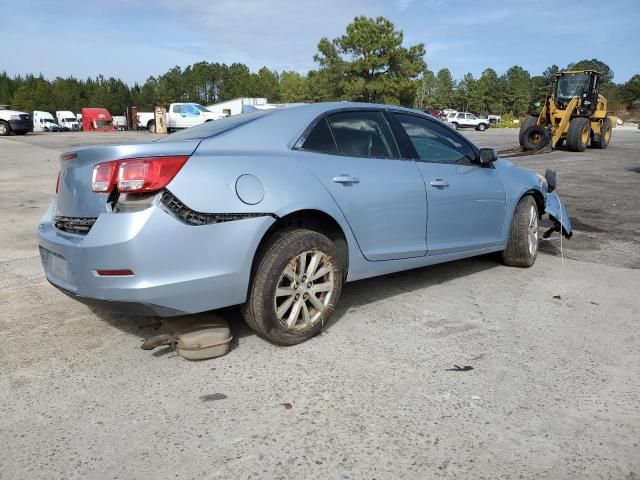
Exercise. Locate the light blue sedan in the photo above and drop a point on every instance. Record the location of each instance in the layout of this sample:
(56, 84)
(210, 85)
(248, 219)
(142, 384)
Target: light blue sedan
(276, 209)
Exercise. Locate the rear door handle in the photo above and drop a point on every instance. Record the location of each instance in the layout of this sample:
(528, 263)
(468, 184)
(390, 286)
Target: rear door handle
(345, 178)
(438, 182)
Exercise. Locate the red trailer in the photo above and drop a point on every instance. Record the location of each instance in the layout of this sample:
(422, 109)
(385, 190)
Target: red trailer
(97, 120)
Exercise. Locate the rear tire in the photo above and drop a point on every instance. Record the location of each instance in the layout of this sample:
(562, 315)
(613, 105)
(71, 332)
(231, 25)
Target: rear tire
(522, 247)
(535, 138)
(605, 135)
(151, 126)
(481, 127)
(529, 121)
(279, 305)
(5, 129)
(578, 134)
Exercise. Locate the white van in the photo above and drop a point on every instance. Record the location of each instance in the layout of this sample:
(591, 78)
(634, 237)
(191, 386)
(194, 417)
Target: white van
(44, 122)
(67, 120)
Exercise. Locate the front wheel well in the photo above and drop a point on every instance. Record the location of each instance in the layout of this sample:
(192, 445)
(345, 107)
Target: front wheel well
(314, 220)
(538, 197)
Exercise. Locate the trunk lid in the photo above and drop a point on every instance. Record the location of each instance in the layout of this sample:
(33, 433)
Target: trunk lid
(75, 197)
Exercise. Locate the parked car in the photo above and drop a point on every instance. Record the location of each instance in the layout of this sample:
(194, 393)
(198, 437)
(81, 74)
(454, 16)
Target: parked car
(467, 120)
(14, 121)
(67, 120)
(44, 122)
(205, 218)
(180, 115)
(494, 118)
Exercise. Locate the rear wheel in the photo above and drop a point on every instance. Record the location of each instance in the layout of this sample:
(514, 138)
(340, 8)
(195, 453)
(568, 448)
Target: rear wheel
(605, 135)
(534, 138)
(529, 121)
(578, 134)
(295, 286)
(5, 129)
(151, 126)
(522, 247)
(481, 127)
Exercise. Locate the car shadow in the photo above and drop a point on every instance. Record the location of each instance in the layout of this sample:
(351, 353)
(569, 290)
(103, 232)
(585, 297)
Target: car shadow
(354, 295)
(362, 292)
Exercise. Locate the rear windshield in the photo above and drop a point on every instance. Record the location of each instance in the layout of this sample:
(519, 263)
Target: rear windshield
(214, 127)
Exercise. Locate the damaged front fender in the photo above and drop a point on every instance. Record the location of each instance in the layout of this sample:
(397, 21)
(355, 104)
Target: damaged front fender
(557, 211)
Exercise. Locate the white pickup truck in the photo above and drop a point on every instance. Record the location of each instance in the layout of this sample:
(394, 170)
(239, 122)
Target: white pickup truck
(179, 115)
(467, 120)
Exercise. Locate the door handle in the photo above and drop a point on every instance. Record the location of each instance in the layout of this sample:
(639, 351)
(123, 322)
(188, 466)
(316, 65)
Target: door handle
(345, 178)
(438, 182)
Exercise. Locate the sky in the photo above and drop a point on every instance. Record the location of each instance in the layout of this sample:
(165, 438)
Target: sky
(134, 39)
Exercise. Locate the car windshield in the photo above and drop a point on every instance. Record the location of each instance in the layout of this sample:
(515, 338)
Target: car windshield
(571, 86)
(209, 129)
(102, 123)
(69, 119)
(201, 108)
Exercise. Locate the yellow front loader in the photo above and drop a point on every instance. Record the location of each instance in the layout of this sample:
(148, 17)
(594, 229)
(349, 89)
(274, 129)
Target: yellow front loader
(574, 113)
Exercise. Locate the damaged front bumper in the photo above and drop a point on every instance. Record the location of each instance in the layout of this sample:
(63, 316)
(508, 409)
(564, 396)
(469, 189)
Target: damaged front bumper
(555, 207)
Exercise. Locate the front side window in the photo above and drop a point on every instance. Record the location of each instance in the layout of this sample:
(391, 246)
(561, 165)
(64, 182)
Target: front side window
(320, 139)
(363, 134)
(177, 109)
(573, 85)
(435, 143)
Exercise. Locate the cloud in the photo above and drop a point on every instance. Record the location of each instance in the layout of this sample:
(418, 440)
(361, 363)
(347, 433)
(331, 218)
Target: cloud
(402, 5)
(279, 33)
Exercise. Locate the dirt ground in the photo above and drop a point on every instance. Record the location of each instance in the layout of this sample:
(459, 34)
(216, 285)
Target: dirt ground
(555, 350)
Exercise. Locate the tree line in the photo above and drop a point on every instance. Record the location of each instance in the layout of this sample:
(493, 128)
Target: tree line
(368, 63)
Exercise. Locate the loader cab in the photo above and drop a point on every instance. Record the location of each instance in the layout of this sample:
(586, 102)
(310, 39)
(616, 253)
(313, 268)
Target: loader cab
(582, 84)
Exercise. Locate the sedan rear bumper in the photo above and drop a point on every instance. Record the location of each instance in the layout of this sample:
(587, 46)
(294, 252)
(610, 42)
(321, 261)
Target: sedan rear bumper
(177, 268)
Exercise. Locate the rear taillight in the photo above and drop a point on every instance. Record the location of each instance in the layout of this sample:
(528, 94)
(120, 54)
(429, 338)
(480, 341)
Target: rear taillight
(133, 175)
(102, 177)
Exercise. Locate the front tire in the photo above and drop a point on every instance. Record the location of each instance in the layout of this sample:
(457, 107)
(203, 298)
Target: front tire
(295, 286)
(454, 125)
(522, 247)
(579, 134)
(5, 129)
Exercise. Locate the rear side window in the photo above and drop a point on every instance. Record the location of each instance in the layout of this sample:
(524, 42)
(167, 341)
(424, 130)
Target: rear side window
(216, 127)
(435, 143)
(320, 139)
(363, 134)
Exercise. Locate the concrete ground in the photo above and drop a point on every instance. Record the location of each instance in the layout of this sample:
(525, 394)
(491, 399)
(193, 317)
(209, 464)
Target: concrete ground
(554, 391)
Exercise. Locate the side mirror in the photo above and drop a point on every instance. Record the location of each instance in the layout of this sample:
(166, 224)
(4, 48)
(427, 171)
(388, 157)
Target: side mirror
(488, 156)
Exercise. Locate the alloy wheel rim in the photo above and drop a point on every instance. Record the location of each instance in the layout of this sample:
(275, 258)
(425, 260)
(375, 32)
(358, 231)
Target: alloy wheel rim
(533, 230)
(3, 129)
(304, 290)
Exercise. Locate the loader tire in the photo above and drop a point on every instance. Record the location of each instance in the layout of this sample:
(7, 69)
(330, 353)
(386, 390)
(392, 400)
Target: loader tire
(605, 135)
(526, 123)
(535, 138)
(578, 134)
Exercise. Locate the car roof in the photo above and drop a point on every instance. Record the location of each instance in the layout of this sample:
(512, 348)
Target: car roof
(280, 128)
